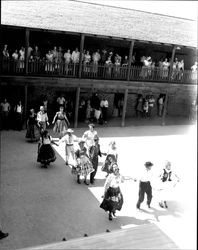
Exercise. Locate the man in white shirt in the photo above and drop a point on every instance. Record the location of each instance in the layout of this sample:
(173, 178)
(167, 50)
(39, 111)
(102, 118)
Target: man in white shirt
(69, 140)
(145, 185)
(5, 109)
(42, 119)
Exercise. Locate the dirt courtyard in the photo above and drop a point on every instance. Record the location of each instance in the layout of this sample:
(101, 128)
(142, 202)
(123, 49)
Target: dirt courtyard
(41, 206)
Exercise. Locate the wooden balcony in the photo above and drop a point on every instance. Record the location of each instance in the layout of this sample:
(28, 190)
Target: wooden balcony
(45, 68)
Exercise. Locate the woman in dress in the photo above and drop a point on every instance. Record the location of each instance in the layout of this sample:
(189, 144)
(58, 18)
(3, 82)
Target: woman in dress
(46, 153)
(113, 198)
(61, 122)
(168, 180)
(32, 133)
(83, 166)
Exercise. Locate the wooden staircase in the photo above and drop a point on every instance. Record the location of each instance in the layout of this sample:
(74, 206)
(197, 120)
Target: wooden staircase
(147, 236)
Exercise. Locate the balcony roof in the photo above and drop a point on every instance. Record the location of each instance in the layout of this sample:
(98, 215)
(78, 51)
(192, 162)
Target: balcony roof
(87, 18)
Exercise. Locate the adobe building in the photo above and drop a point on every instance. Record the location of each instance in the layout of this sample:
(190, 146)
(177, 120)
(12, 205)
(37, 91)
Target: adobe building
(70, 25)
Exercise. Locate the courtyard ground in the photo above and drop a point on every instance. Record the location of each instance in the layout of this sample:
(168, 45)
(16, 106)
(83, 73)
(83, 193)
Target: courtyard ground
(41, 206)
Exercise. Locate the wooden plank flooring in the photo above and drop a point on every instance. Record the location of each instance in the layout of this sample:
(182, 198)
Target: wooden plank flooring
(147, 236)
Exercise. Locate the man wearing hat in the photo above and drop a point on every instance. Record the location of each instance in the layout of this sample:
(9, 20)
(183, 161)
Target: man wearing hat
(69, 140)
(145, 185)
(42, 119)
(94, 152)
(88, 136)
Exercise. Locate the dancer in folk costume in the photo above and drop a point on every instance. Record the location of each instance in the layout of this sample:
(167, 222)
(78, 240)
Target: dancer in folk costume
(83, 164)
(46, 153)
(94, 152)
(61, 122)
(113, 198)
(69, 139)
(112, 156)
(42, 119)
(32, 133)
(168, 180)
(88, 136)
(145, 179)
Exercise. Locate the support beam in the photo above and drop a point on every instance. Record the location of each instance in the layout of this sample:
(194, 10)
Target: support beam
(27, 36)
(130, 59)
(165, 109)
(76, 107)
(25, 104)
(124, 107)
(171, 62)
(81, 54)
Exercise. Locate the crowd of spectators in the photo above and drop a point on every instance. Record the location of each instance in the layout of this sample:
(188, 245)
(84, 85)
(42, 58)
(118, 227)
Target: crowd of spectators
(113, 64)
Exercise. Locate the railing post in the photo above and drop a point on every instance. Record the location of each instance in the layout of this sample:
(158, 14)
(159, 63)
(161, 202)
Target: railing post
(124, 107)
(81, 53)
(76, 107)
(130, 59)
(171, 63)
(27, 36)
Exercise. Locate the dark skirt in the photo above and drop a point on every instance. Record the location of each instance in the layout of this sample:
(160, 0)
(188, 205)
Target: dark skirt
(32, 133)
(113, 200)
(46, 154)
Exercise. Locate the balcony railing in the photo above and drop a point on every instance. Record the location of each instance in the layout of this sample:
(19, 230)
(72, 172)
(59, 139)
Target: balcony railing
(97, 71)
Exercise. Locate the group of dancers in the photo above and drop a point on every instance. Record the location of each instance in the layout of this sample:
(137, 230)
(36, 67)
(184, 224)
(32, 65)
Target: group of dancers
(84, 160)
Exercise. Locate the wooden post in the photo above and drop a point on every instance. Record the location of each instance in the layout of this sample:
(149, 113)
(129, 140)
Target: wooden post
(130, 59)
(27, 36)
(124, 107)
(171, 63)
(164, 109)
(81, 54)
(25, 105)
(76, 107)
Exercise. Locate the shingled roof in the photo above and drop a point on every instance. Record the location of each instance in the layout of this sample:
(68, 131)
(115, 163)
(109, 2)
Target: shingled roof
(97, 19)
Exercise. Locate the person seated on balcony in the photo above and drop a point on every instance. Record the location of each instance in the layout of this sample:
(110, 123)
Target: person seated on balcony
(166, 65)
(180, 69)
(22, 58)
(75, 56)
(96, 58)
(67, 57)
(86, 62)
(49, 61)
(194, 71)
